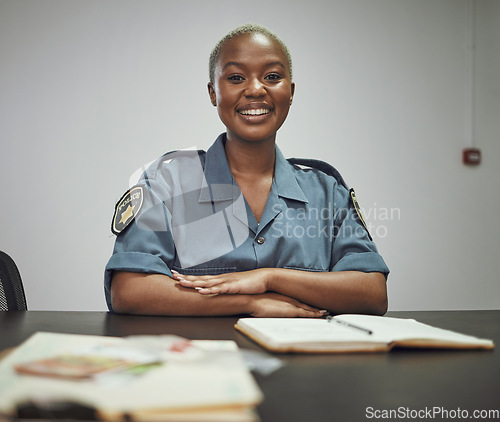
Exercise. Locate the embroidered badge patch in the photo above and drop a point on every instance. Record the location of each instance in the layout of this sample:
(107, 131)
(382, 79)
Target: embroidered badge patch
(126, 209)
(358, 211)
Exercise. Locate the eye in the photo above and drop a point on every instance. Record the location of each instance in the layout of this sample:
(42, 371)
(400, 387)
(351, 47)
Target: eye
(235, 78)
(275, 77)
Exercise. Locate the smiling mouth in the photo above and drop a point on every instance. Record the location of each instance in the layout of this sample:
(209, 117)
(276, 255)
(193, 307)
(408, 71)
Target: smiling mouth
(255, 112)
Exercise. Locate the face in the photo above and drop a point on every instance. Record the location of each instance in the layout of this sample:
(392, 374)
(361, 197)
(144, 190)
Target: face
(252, 88)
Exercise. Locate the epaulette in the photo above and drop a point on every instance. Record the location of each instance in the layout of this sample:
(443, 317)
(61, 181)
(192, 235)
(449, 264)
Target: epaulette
(332, 171)
(319, 165)
(150, 170)
(189, 152)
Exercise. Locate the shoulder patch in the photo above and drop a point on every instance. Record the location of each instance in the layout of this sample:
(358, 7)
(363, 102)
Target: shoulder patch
(126, 209)
(355, 204)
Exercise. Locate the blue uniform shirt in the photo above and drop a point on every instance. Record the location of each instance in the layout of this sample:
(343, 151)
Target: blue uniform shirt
(194, 219)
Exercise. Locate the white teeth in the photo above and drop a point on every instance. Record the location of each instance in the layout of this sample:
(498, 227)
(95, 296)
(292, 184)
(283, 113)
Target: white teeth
(255, 112)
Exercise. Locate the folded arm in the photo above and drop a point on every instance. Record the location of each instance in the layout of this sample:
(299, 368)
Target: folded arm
(336, 291)
(157, 294)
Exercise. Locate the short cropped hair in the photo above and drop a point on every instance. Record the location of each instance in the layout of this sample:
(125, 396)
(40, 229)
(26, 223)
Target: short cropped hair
(249, 28)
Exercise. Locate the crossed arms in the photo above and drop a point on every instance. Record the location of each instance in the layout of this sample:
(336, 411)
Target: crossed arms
(264, 292)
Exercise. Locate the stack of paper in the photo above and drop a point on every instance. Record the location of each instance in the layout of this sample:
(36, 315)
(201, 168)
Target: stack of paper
(202, 380)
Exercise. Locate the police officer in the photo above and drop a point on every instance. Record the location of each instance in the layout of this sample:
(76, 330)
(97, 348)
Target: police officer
(239, 229)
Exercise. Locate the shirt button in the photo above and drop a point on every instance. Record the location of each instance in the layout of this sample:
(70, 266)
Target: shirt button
(260, 240)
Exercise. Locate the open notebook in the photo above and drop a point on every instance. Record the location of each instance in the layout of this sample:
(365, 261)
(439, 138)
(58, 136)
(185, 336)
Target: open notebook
(352, 333)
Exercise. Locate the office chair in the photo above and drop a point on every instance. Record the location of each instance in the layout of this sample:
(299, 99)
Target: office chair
(12, 296)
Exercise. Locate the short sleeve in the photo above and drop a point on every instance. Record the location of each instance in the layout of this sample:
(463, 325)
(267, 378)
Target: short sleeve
(146, 245)
(353, 250)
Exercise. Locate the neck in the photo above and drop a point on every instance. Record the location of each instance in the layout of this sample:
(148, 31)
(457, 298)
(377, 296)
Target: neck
(251, 158)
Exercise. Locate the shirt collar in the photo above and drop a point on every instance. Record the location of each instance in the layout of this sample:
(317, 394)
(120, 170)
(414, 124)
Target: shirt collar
(286, 182)
(219, 184)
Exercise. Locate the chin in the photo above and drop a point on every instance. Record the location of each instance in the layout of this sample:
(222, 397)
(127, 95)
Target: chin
(253, 135)
(255, 138)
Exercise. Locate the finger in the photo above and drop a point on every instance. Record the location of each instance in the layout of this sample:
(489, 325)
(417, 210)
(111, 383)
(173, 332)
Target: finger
(176, 275)
(187, 283)
(184, 281)
(191, 285)
(306, 313)
(308, 307)
(197, 284)
(300, 305)
(311, 310)
(225, 288)
(209, 291)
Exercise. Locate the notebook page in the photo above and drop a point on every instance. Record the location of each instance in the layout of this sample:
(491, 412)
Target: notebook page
(306, 330)
(392, 329)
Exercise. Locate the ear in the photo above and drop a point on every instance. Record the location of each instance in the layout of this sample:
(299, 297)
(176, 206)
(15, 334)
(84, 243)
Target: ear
(292, 92)
(211, 93)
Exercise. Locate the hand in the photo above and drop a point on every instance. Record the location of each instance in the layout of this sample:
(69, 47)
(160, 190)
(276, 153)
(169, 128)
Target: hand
(245, 282)
(274, 305)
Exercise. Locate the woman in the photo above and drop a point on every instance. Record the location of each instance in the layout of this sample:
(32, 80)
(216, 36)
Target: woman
(238, 229)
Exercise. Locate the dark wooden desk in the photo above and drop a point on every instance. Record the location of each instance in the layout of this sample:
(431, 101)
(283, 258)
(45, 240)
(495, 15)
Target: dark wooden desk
(325, 387)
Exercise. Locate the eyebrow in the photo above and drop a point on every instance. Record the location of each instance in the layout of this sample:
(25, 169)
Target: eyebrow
(238, 64)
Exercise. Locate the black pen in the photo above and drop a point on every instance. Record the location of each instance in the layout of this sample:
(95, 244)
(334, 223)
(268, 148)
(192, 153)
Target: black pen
(329, 318)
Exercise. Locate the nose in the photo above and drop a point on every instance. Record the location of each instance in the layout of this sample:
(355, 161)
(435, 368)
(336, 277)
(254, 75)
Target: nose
(255, 88)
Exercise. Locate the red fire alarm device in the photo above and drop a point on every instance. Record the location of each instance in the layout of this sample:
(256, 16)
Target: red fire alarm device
(471, 156)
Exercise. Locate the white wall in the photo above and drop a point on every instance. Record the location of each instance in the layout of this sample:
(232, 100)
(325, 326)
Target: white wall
(90, 90)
